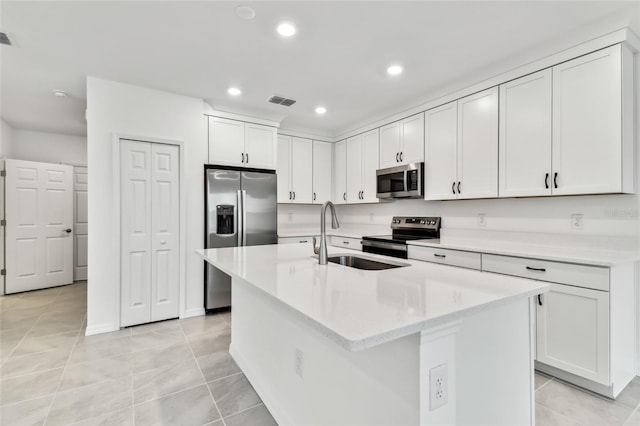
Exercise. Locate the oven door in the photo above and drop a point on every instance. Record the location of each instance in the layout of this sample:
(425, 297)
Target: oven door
(404, 181)
(385, 248)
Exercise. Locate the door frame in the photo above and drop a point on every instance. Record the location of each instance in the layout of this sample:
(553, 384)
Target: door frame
(116, 140)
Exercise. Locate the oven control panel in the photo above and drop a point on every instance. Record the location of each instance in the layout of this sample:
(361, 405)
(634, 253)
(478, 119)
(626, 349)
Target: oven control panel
(415, 222)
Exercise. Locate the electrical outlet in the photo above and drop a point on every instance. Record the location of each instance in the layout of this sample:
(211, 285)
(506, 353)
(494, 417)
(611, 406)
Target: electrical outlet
(438, 387)
(299, 362)
(482, 219)
(577, 221)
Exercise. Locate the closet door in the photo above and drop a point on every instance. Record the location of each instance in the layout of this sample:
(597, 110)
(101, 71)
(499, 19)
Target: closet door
(165, 226)
(80, 222)
(135, 232)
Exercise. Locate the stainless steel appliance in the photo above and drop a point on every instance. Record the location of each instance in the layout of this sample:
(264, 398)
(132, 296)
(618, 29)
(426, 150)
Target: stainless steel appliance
(406, 181)
(240, 210)
(403, 229)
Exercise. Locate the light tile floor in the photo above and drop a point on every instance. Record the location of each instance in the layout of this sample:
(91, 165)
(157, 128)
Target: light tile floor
(175, 372)
(167, 373)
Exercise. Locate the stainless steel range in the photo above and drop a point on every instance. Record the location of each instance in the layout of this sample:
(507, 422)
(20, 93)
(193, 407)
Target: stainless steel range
(403, 229)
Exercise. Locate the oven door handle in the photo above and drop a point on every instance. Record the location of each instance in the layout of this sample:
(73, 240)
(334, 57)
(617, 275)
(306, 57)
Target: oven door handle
(380, 244)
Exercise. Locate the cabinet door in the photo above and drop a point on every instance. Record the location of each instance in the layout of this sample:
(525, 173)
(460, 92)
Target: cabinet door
(478, 145)
(412, 145)
(322, 172)
(587, 144)
(370, 163)
(441, 138)
(525, 136)
(390, 145)
(226, 141)
(354, 169)
(284, 169)
(340, 172)
(573, 331)
(301, 170)
(260, 146)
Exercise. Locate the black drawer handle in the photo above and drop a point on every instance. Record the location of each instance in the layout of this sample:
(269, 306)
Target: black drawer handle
(440, 255)
(540, 299)
(345, 242)
(303, 241)
(536, 269)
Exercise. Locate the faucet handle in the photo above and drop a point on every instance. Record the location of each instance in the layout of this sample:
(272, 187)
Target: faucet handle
(316, 250)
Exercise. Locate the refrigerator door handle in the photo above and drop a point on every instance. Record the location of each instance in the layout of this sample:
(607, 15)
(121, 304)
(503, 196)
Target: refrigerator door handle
(244, 218)
(240, 216)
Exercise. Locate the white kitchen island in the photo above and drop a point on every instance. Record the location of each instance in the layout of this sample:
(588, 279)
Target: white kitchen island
(335, 345)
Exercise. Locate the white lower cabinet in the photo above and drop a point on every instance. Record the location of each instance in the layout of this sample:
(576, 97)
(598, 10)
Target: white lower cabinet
(464, 259)
(572, 331)
(584, 324)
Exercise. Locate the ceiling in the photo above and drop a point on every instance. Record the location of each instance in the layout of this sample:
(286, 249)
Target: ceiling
(337, 59)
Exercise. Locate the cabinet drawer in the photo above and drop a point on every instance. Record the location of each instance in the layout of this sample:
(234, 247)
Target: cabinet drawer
(346, 242)
(593, 277)
(295, 240)
(465, 259)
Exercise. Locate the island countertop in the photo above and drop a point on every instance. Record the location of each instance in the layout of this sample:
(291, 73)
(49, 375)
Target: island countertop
(360, 309)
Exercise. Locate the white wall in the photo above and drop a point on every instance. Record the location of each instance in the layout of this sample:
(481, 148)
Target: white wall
(6, 135)
(135, 111)
(48, 147)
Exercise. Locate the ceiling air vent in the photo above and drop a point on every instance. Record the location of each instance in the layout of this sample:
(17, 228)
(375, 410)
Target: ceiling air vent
(279, 100)
(4, 39)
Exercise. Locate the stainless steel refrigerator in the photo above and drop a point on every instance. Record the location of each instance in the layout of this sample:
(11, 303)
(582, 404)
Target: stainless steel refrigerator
(241, 210)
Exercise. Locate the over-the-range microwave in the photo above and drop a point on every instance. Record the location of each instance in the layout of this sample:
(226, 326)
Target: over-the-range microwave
(406, 181)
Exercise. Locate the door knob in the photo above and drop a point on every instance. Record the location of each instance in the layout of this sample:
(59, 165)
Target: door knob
(68, 230)
(163, 242)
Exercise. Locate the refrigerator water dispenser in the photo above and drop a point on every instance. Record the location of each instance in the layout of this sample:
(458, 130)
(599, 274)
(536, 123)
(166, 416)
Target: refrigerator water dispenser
(225, 218)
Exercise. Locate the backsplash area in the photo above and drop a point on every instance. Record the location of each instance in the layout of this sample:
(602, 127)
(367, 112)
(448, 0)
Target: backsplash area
(614, 216)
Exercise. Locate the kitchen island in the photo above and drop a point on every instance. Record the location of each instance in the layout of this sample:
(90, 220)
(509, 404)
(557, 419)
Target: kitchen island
(331, 344)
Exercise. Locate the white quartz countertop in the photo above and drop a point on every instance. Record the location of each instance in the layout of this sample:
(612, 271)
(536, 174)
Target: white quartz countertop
(588, 256)
(360, 309)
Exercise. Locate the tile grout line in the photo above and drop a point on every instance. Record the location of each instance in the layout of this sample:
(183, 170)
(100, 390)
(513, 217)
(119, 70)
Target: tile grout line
(21, 340)
(215, 403)
(247, 409)
(637, 410)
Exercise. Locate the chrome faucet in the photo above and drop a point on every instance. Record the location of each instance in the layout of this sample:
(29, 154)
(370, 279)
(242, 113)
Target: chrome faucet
(322, 251)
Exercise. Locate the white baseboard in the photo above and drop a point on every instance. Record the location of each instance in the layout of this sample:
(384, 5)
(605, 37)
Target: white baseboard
(279, 416)
(100, 329)
(195, 312)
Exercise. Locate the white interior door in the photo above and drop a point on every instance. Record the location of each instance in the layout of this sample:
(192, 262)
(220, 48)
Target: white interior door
(39, 214)
(80, 222)
(135, 232)
(165, 224)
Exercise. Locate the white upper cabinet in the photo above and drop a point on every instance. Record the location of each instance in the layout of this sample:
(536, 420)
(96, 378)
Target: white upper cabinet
(322, 172)
(478, 145)
(363, 161)
(441, 147)
(295, 176)
(340, 172)
(592, 123)
(402, 142)
(237, 143)
(462, 148)
(525, 136)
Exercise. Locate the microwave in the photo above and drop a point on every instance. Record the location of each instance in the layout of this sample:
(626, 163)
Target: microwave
(406, 181)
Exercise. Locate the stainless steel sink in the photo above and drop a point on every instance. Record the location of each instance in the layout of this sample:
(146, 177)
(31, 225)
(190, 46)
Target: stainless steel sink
(364, 263)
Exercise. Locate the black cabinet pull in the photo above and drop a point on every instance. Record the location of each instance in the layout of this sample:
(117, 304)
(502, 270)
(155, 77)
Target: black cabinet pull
(555, 180)
(345, 242)
(540, 299)
(314, 196)
(303, 241)
(400, 156)
(458, 187)
(546, 180)
(440, 255)
(397, 157)
(290, 195)
(344, 196)
(243, 157)
(453, 187)
(247, 158)
(294, 195)
(536, 269)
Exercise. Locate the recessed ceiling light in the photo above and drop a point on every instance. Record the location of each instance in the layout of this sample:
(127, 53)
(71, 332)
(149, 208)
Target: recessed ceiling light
(60, 93)
(234, 91)
(395, 69)
(245, 12)
(286, 29)
(321, 110)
